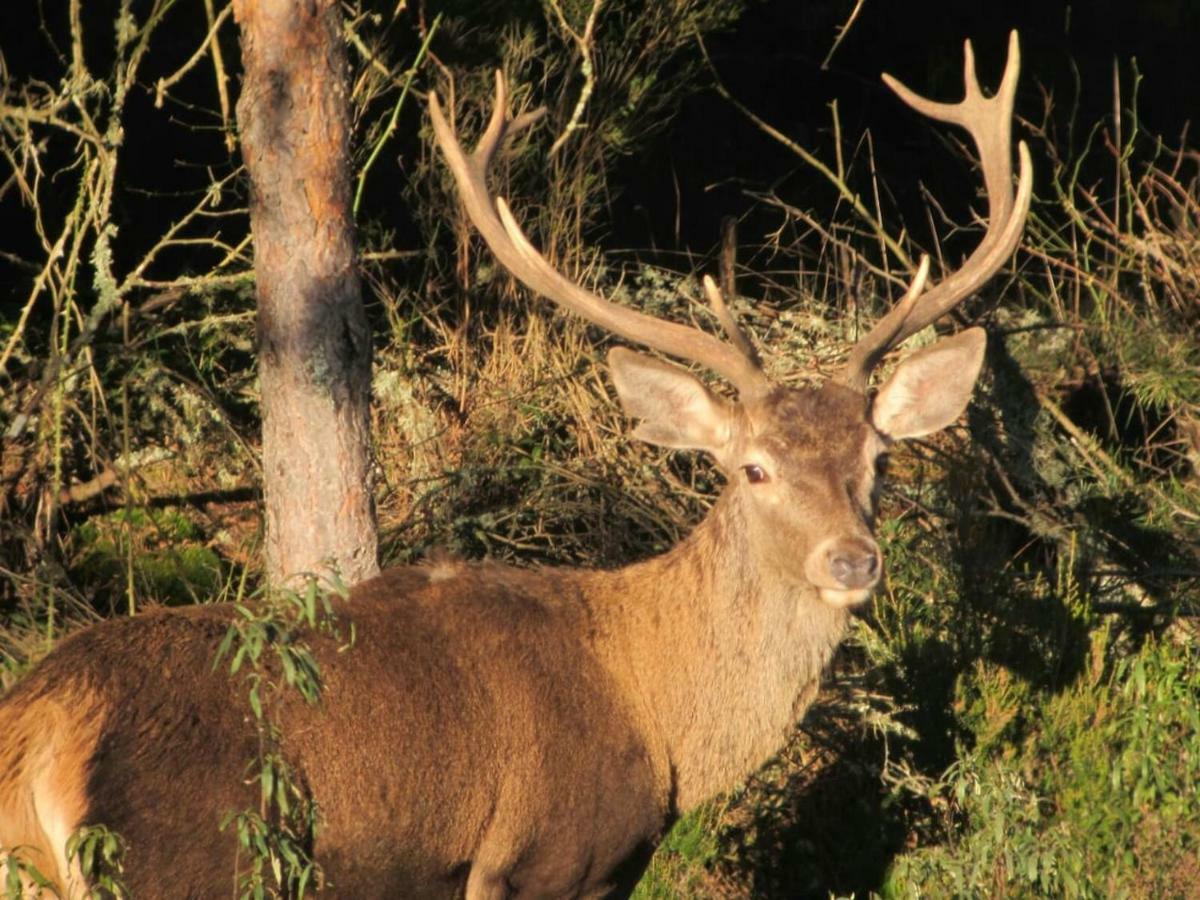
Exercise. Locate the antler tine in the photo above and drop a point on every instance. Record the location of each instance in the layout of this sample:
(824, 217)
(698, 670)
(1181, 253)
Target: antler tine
(470, 172)
(867, 352)
(989, 122)
(514, 251)
(729, 324)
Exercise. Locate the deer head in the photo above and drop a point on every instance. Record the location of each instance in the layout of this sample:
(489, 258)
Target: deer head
(803, 464)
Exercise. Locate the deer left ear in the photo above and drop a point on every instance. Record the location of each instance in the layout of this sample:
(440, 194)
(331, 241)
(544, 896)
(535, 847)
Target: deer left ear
(676, 410)
(930, 389)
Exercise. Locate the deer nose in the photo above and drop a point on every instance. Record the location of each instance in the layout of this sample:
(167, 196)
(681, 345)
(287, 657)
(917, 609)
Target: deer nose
(854, 563)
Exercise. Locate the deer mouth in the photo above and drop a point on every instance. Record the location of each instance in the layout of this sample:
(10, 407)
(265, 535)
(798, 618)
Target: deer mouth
(843, 598)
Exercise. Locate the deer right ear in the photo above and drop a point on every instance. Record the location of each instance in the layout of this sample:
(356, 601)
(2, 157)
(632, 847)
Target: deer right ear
(675, 408)
(930, 388)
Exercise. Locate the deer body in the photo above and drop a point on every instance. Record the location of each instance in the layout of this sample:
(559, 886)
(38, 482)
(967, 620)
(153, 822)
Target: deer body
(502, 732)
(458, 676)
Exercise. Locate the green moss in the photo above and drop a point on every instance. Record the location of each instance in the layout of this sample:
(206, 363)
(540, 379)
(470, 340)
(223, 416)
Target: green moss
(680, 866)
(170, 561)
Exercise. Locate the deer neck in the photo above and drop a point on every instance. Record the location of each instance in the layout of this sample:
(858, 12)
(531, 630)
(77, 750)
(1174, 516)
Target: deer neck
(721, 655)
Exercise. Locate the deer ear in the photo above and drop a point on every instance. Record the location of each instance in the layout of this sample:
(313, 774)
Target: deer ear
(930, 389)
(676, 409)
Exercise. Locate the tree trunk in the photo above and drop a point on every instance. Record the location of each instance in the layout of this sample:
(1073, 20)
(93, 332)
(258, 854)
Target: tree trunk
(314, 345)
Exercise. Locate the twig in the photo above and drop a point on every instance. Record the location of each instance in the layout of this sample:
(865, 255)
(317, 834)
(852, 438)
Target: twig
(384, 255)
(80, 493)
(47, 117)
(809, 159)
(841, 34)
(221, 77)
(163, 84)
(169, 238)
(40, 282)
(584, 42)
(355, 40)
(391, 126)
(1103, 464)
(825, 233)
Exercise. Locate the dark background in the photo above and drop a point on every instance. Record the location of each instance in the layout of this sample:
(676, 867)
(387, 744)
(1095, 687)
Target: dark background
(772, 63)
(672, 195)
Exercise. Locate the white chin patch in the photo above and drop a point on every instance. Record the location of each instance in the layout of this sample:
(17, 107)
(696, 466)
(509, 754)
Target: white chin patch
(843, 599)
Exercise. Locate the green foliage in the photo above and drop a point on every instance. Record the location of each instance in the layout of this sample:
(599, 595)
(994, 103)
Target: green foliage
(267, 645)
(99, 854)
(96, 851)
(19, 873)
(1093, 798)
(170, 560)
(281, 851)
(275, 623)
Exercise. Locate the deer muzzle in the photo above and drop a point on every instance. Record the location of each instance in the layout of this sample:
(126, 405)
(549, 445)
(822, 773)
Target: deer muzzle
(845, 569)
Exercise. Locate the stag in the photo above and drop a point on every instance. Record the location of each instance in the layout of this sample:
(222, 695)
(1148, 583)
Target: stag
(502, 732)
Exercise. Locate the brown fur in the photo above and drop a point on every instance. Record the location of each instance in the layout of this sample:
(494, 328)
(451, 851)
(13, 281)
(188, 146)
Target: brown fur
(493, 731)
(45, 740)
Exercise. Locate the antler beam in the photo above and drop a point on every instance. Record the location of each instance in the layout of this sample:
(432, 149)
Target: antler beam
(514, 251)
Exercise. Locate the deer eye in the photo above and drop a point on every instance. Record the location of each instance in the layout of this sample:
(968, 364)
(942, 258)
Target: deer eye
(755, 474)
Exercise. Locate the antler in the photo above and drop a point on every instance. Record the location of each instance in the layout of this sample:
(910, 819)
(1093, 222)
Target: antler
(514, 251)
(989, 121)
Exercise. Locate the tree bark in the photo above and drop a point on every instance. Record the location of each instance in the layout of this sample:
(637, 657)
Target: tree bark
(314, 348)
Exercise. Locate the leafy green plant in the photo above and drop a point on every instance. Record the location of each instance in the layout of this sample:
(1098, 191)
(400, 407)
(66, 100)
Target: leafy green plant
(1093, 799)
(99, 853)
(19, 873)
(265, 644)
(161, 551)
